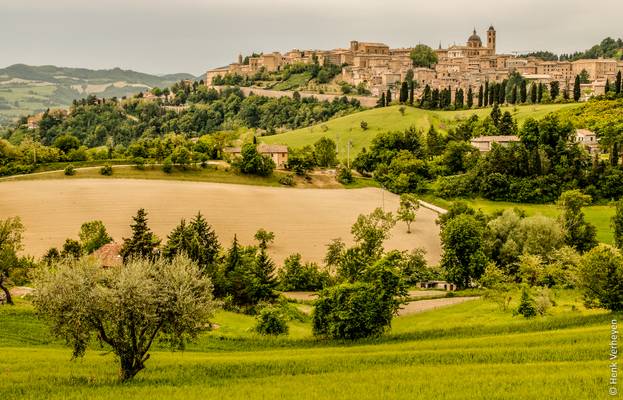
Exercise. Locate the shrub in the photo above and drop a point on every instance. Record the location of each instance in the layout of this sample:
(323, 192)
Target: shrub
(106, 170)
(271, 321)
(527, 305)
(167, 166)
(287, 180)
(601, 274)
(363, 125)
(139, 162)
(70, 170)
(344, 175)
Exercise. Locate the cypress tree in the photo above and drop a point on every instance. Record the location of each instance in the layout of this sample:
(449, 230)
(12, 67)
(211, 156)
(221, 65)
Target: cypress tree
(388, 98)
(539, 95)
(533, 93)
(502, 92)
(435, 99)
(458, 98)
(486, 94)
(404, 93)
(554, 89)
(514, 95)
(607, 87)
(425, 100)
(470, 97)
(618, 84)
(381, 101)
(523, 92)
(411, 92)
(496, 114)
(480, 97)
(577, 91)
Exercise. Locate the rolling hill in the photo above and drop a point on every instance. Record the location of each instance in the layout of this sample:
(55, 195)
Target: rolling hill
(348, 128)
(26, 89)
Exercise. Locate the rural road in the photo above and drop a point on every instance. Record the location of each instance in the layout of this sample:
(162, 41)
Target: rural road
(419, 306)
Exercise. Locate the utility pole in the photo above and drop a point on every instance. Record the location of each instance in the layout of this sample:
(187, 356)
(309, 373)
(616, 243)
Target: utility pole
(348, 153)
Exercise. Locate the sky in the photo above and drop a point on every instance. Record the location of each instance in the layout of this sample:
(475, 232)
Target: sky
(170, 36)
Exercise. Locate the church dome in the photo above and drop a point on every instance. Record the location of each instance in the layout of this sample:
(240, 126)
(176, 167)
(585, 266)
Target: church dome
(474, 37)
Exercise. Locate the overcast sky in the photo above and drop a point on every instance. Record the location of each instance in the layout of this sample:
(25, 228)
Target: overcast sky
(166, 36)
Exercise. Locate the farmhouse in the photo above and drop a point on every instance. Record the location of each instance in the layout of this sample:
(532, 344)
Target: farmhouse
(437, 285)
(588, 140)
(109, 255)
(484, 143)
(278, 153)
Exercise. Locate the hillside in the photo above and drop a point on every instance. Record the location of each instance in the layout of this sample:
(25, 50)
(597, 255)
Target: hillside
(26, 89)
(386, 119)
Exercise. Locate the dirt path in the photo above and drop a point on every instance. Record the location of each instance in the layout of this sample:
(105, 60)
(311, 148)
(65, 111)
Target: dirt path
(303, 220)
(419, 306)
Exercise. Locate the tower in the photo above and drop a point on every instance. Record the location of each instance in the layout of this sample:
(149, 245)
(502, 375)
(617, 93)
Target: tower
(239, 58)
(491, 38)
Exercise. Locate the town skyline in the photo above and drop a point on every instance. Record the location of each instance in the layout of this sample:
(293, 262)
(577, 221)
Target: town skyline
(194, 36)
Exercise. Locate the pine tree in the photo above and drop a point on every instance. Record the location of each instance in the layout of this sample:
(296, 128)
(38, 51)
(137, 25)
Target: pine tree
(263, 283)
(486, 96)
(480, 97)
(381, 101)
(577, 91)
(523, 91)
(470, 97)
(404, 93)
(143, 243)
(618, 84)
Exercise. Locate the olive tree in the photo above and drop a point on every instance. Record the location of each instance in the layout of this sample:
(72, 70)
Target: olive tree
(11, 230)
(126, 308)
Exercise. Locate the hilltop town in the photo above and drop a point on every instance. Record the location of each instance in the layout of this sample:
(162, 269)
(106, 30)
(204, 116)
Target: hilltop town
(378, 68)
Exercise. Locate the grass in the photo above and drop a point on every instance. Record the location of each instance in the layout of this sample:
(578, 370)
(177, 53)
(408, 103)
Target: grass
(347, 128)
(598, 215)
(471, 350)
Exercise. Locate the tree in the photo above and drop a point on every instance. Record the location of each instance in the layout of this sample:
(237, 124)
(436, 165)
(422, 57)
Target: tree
(470, 98)
(411, 90)
(486, 94)
(381, 101)
(143, 242)
(463, 256)
(607, 86)
(127, 308)
(363, 125)
(271, 321)
(507, 125)
(578, 233)
(71, 249)
(198, 241)
(11, 230)
(296, 276)
(618, 84)
(370, 231)
(388, 98)
(496, 114)
(423, 56)
(554, 89)
(264, 237)
(523, 91)
(601, 277)
(409, 204)
(539, 93)
(404, 92)
(263, 281)
(66, 143)
(527, 305)
(480, 97)
(617, 224)
(93, 235)
(584, 76)
(533, 93)
(325, 151)
(577, 91)
(252, 162)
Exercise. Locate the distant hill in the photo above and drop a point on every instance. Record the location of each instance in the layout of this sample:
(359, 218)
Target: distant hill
(26, 89)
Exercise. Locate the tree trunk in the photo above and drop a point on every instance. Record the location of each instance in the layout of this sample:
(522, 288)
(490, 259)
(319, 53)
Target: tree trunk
(130, 366)
(9, 300)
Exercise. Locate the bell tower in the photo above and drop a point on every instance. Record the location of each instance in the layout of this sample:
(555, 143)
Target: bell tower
(491, 38)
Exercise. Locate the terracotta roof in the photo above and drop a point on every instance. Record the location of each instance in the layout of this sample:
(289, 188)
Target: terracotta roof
(497, 138)
(272, 148)
(109, 255)
(584, 132)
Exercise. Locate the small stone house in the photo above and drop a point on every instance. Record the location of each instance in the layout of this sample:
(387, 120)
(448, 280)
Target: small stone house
(588, 140)
(443, 285)
(484, 143)
(278, 153)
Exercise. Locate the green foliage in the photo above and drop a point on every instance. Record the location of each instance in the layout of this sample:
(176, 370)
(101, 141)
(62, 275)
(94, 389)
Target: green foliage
(325, 152)
(527, 305)
(71, 249)
(579, 234)
(344, 175)
(271, 321)
(252, 162)
(167, 166)
(463, 256)
(296, 276)
(106, 170)
(93, 235)
(363, 125)
(287, 180)
(11, 231)
(70, 170)
(125, 308)
(409, 204)
(601, 277)
(265, 238)
(423, 56)
(617, 225)
(143, 242)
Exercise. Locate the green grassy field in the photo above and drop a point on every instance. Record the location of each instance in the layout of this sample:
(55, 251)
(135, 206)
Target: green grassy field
(471, 350)
(598, 215)
(345, 129)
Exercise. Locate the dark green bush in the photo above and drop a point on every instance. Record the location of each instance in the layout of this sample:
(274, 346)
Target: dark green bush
(106, 170)
(167, 166)
(271, 321)
(70, 170)
(287, 180)
(296, 276)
